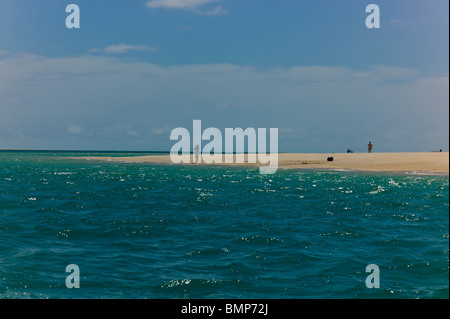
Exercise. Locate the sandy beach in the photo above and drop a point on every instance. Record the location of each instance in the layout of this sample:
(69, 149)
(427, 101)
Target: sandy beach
(429, 162)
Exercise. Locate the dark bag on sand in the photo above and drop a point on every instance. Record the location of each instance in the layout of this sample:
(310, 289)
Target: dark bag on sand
(330, 159)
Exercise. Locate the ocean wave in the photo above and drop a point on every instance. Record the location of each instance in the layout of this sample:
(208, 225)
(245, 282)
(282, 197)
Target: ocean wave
(163, 231)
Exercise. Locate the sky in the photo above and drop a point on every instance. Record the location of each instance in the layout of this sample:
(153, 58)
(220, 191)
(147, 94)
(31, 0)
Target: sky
(137, 69)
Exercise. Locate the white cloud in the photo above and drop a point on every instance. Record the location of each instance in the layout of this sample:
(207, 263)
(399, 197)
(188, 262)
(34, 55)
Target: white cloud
(176, 4)
(161, 130)
(135, 105)
(75, 129)
(197, 6)
(407, 22)
(216, 11)
(122, 129)
(133, 133)
(123, 48)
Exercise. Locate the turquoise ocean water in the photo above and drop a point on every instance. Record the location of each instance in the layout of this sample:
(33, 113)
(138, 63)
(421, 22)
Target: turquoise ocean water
(165, 231)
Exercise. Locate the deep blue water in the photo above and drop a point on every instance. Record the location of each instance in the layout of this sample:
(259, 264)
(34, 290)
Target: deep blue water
(166, 231)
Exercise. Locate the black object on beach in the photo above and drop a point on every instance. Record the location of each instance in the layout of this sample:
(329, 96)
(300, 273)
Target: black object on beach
(330, 159)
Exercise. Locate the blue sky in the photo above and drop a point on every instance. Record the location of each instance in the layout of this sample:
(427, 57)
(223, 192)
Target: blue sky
(137, 69)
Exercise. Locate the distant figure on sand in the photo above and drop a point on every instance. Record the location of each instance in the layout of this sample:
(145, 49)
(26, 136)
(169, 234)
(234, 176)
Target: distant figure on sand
(197, 151)
(370, 147)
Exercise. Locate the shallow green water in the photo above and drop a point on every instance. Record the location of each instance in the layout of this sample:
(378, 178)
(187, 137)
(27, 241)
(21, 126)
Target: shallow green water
(166, 231)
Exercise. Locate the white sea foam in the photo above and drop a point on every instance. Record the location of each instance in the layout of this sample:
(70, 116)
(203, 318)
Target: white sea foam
(379, 190)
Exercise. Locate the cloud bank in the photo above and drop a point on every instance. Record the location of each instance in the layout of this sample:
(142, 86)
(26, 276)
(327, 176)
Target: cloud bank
(123, 48)
(197, 6)
(102, 102)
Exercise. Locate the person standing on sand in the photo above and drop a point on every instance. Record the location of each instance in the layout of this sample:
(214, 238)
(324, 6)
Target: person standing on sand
(369, 146)
(197, 151)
